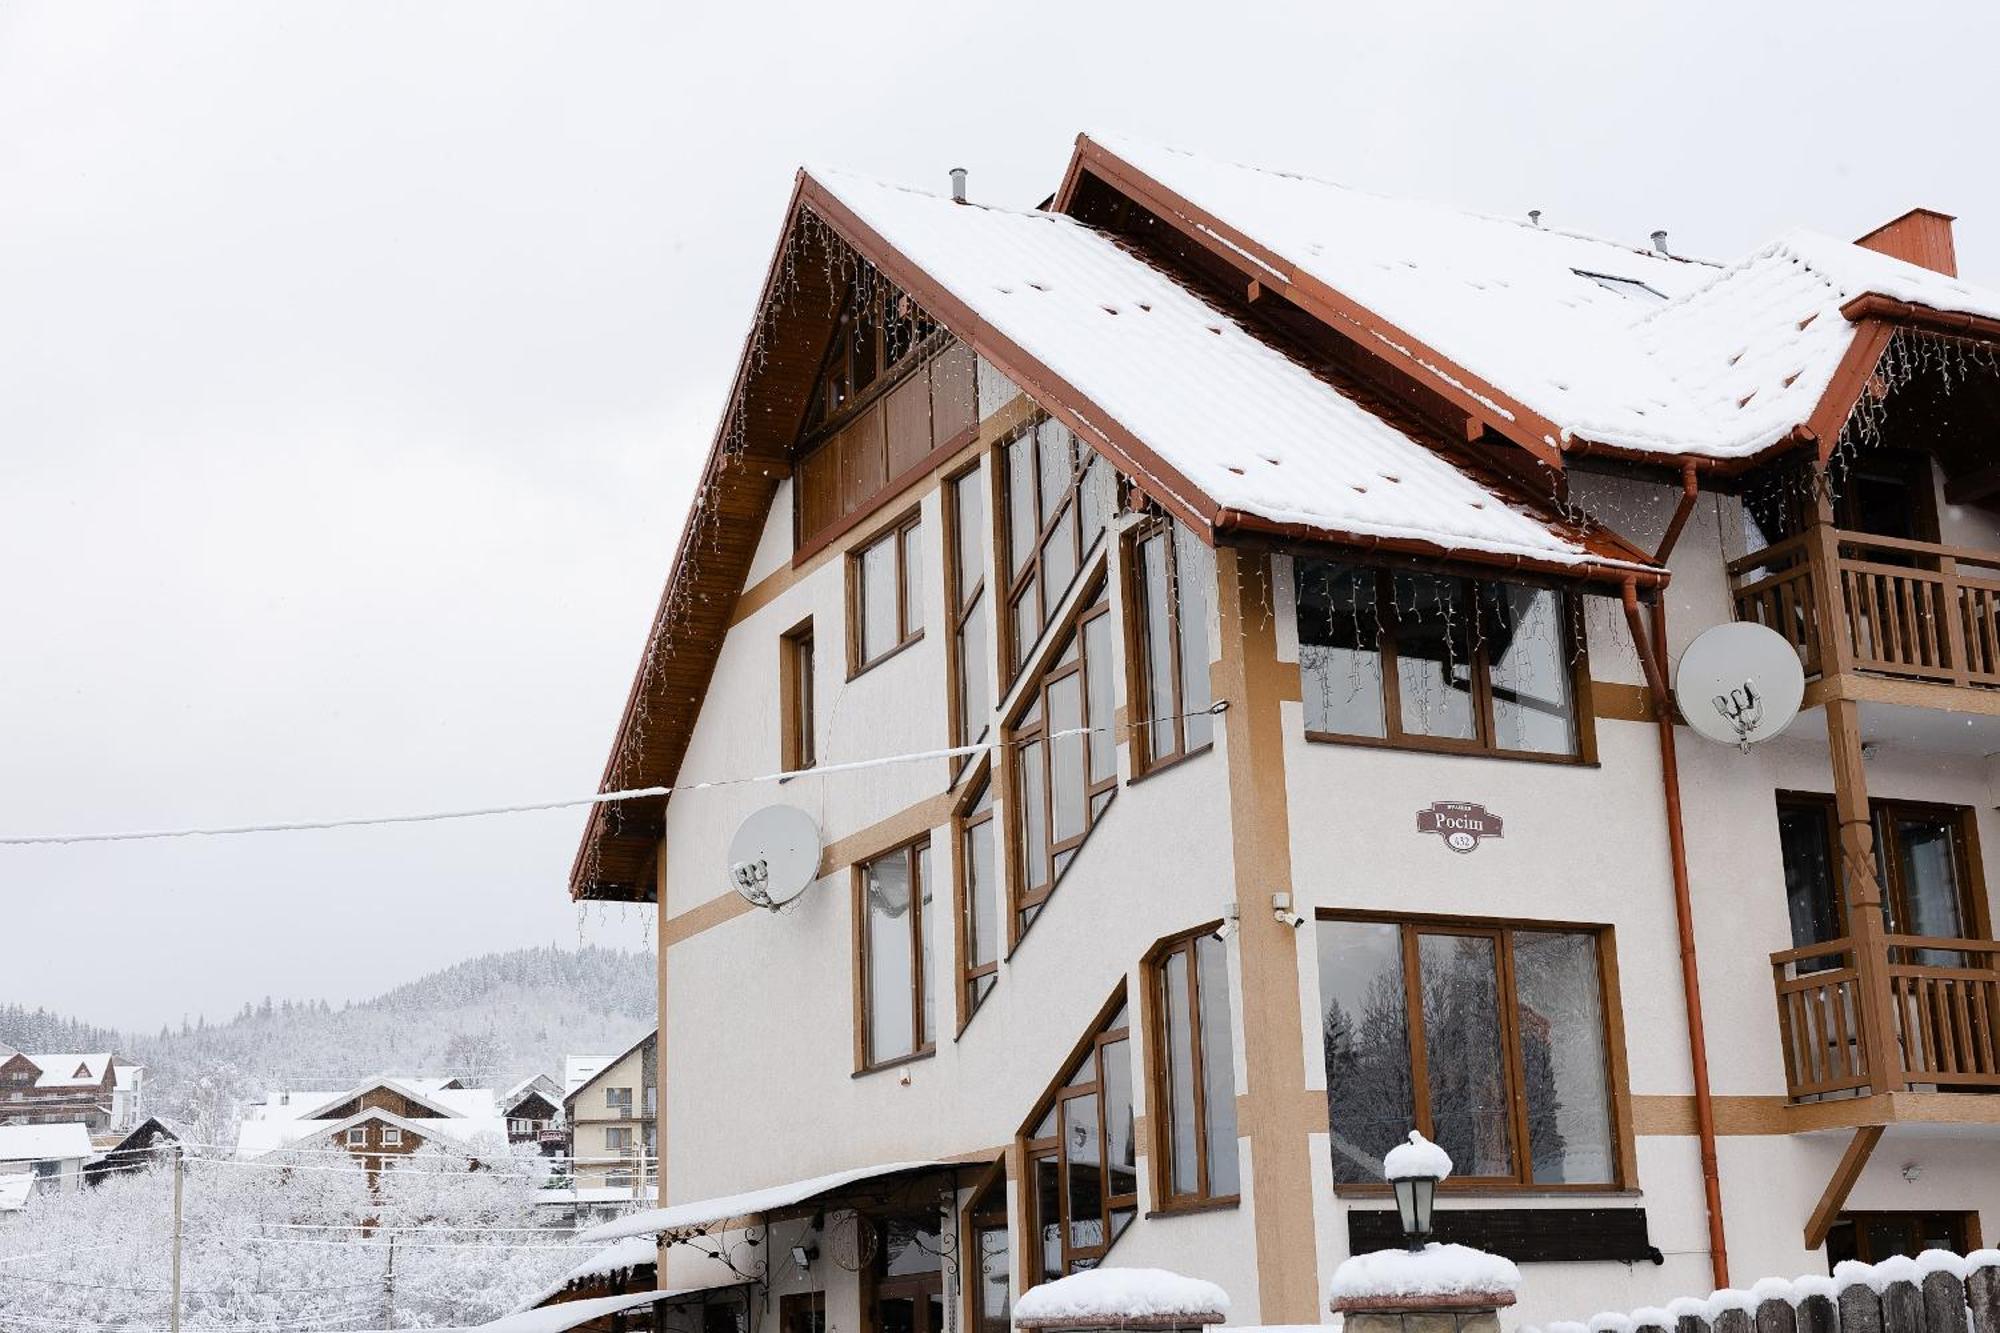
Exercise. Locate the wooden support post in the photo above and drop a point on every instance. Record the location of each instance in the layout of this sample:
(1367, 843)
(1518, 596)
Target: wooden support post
(1866, 927)
(1859, 1148)
(1836, 635)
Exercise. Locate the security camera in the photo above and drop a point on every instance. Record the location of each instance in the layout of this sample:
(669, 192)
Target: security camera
(1222, 932)
(1281, 909)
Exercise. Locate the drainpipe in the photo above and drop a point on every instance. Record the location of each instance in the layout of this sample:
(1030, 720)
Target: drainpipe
(1690, 492)
(1651, 647)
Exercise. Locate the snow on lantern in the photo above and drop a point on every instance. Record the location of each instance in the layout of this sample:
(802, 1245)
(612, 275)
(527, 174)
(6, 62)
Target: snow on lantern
(1427, 1288)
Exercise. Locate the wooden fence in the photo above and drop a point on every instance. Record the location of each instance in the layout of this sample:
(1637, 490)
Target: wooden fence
(1943, 1294)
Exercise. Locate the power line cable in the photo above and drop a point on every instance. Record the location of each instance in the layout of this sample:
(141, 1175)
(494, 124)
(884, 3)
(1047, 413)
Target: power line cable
(567, 803)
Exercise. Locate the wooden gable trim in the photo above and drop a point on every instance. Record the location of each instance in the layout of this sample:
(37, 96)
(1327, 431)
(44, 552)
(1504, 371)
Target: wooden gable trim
(1849, 382)
(1479, 399)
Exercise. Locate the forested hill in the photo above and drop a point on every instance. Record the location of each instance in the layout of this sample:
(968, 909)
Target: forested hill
(489, 1020)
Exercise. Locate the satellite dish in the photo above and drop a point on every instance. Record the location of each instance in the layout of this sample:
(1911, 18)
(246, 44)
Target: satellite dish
(774, 856)
(1739, 684)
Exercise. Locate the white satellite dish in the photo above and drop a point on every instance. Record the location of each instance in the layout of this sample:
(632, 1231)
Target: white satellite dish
(774, 856)
(1739, 684)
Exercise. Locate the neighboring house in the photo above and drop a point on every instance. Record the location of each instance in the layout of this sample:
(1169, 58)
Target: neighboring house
(51, 1156)
(533, 1109)
(1313, 565)
(150, 1144)
(91, 1088)
(377, 1121)
(611, 1119)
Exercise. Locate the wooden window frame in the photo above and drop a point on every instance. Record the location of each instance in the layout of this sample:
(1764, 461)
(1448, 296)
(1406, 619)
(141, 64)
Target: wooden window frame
(1146, 711)
(964, 819)
(1160, 1096)
(1967, 1220)
(797, 716)
(1618, 1098)
(909, 620)
(1020, 577)
(1021, 901)
(993, 1178)
(1882, 811)
(864, 1061)
(959, 611)
(1033, 1150)
(1583, 734)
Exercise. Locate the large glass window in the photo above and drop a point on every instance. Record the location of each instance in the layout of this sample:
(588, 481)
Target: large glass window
(979, 900)
(1492, 1040)
(885, 595)
(897, 960)
(1922, 852)
(1194, 1062)
(972, 699)
(1435, 661)
(1059, 499)
(1065, 759)
(1172, 574)
(1082, 1154)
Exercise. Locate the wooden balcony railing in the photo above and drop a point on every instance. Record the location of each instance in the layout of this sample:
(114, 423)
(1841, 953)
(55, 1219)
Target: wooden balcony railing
(1942, 1003)
(1918, 610)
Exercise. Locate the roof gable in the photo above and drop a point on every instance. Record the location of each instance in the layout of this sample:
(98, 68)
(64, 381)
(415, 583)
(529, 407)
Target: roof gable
(1506, 317)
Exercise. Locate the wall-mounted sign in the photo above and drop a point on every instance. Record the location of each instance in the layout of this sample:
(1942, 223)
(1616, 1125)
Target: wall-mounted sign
(1460, 823)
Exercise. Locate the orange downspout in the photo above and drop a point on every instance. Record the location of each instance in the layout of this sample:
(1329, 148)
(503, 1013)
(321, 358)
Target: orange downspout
(1650, 648)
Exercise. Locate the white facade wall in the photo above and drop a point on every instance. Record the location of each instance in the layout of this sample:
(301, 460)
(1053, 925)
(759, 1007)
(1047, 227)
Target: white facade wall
(758, 1014)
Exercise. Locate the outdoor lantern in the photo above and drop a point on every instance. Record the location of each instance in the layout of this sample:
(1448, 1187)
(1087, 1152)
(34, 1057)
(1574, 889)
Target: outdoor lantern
(1414, 1197)
(1414, 1169)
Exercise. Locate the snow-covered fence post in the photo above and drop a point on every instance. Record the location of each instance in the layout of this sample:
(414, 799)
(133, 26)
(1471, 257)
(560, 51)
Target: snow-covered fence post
(1100, 1300)
(1982, 1290)
(1944, 1302)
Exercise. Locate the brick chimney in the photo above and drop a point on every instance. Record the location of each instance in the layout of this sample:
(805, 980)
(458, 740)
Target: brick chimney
(1921, 236)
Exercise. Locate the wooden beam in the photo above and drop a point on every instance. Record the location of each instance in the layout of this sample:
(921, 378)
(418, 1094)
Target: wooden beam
(1859, 1149)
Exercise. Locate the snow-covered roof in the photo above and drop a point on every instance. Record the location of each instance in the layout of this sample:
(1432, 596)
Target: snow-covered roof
(126, 1077)
(255, 1138)
(44, 1143)
(580, 1069)
(70, 1069)
(750, 1203)
(541, 1083)
(619, 1256)
(1121, 1293)
(1711, 362)
(1244, 425)
(428, 1092)
(571, 1314)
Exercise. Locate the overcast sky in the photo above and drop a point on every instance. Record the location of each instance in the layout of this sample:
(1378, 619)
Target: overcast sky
(356, 360)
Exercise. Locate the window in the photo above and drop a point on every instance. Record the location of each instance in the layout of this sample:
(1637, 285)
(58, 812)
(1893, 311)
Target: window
(1492, 1040)
(884, 596)
(1431, 661)
(979, 900)
(1872, 1237)
(795, 698)
(1194, 1063)
(357, 1138)
(618, 1101)
(895, 958)
(1083, 1174)
(392, 1137)
(1059, 499)
(972, 698)
(1925, 855)
(989, 1257)
(1065, 760)
(1630, 288)
(618, 1141)
(1171, 574)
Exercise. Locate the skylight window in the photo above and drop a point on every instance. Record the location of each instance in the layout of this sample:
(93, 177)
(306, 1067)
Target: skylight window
(1630, 288)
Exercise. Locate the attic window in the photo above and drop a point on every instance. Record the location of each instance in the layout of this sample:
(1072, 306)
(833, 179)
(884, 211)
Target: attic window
(1630, 288)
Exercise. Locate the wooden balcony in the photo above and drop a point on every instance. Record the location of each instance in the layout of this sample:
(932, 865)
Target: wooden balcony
(1912, 610)
(1938, 1004)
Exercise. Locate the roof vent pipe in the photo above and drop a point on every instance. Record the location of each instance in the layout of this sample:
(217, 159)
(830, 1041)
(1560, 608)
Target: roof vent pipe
(958, 185)
(1660, 242)
(1535, 216)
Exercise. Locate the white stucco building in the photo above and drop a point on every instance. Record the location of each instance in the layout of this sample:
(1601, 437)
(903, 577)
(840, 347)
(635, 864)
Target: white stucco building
(1297, 574)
